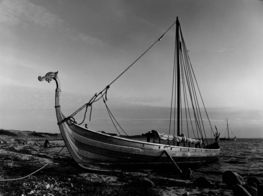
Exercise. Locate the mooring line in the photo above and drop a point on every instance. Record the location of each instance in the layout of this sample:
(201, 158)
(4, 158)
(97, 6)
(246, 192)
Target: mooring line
(32, 173)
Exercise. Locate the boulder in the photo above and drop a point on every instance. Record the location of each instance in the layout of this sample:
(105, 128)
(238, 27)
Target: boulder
(232, 178)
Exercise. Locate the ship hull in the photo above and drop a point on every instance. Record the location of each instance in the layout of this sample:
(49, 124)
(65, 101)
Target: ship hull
(91, 147)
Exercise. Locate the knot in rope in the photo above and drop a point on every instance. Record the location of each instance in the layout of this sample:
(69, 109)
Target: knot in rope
(106, 92)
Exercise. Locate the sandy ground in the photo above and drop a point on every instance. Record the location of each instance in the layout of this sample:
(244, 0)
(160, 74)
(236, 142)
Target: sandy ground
(22, 153)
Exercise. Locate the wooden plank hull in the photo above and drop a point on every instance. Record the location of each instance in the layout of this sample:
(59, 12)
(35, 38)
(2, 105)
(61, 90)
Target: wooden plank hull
(88, 146)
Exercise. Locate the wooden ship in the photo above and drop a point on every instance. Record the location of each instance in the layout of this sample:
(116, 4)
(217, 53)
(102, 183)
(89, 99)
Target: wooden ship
(187, 114)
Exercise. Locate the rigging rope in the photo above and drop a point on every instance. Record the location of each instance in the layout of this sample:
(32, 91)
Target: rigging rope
(192, 97)
(85, 114)
(114, 120)
(103, 92)
(185, 101)
(192, 84)
(191, 101)
(194, 76)
(188, 81)
(189, 84)
(140, 56)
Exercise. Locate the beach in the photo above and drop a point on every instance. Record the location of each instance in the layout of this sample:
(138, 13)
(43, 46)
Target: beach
(24, 152)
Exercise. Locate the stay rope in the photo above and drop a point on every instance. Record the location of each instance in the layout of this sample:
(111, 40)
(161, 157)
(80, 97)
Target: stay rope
(140, 56)
(114, 121)
(191, 95)
(103, 92)
(198, 88)
(189, 83)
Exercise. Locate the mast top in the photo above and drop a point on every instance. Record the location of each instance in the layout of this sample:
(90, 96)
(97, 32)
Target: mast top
(177, 22)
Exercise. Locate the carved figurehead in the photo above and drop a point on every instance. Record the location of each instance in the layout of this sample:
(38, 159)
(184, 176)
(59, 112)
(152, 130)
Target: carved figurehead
(49, 77)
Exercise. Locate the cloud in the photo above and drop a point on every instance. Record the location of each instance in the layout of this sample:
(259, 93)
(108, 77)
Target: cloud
(14, 12)
(17, 71)
(87, 39)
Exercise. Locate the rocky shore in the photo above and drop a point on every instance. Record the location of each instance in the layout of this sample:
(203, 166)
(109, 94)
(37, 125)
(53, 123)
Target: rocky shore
(22, 153)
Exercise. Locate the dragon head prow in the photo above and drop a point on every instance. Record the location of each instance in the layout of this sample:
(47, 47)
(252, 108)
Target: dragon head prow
(49, 76)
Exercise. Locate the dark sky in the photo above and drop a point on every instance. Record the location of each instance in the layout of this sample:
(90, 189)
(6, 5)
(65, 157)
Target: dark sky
(89, 42)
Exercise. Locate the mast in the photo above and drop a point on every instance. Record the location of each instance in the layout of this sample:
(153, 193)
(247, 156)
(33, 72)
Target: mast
(178, 77)
(227, 129)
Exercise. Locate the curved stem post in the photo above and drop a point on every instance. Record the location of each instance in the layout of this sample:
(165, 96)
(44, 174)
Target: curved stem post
(49, 77)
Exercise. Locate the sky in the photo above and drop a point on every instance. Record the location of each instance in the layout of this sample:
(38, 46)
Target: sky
(90, 42)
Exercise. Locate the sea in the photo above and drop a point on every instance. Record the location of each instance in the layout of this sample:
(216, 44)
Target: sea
(244, 156)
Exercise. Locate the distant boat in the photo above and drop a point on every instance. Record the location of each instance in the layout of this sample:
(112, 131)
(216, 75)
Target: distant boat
(89, 146)
(228, 138)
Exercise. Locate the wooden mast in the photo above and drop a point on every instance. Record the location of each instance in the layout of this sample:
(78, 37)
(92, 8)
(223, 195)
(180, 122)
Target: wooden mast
(227, 127)
(178, 77)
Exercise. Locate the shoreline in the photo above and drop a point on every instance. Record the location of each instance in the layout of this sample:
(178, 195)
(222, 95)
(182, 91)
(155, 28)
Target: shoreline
(24, 153)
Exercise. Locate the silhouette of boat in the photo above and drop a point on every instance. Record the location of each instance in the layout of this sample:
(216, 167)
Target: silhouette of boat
(228, 138)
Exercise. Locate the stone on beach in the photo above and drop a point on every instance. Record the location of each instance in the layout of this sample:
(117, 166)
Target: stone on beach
(64, 177)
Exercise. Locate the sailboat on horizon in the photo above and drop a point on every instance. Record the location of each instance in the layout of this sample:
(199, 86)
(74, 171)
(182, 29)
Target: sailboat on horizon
(178, 146)
(228, 138)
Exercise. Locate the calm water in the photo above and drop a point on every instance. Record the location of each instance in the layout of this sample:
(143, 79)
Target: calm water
(244, 156)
